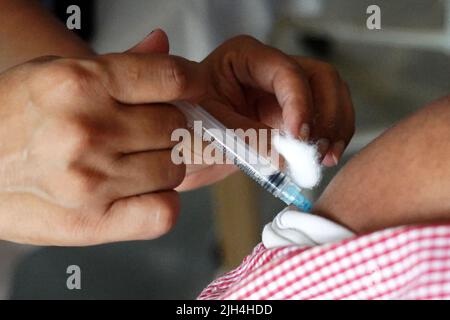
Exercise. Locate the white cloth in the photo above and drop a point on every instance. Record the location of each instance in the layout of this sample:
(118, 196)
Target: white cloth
(292, 227)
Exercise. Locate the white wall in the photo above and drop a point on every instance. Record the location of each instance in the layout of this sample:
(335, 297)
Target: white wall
(194, 26)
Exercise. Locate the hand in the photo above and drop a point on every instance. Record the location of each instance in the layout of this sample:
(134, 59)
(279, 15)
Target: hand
(253, 86)
(84, 159)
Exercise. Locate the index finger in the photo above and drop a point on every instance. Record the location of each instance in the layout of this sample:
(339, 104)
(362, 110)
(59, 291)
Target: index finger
(134, 78)
(261, 66)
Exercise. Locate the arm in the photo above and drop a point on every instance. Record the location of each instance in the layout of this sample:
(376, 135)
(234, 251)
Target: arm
(401, 178)
(28, 31)
(304, 81)
(85, 148)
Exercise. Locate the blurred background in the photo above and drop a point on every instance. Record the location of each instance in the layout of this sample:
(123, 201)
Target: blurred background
(391, 72)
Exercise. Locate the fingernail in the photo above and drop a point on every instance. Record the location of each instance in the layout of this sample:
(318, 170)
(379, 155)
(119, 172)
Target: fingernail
(149, 35)
(329, 160)
(338, 151)
(305, 131)
(322, 146)
(154, 30)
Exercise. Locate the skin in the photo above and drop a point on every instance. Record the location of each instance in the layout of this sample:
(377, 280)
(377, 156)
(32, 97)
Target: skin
(255, 86)
(83, 158)
(21, 21)
(401, 178)
(85, 138)
(87, 190)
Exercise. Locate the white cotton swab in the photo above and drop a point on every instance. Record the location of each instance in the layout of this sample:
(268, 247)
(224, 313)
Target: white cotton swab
(302, 160)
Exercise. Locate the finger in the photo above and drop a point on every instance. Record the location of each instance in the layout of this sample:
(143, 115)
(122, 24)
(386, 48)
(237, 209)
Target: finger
(329, 87)
(248, 129)
(149, 78)
(142, 217)
(346, 128)
(156, 42)
(229, 117)
(255, 134)
(267, 108)
(269, 69)
(326, 93)
(146, 172)
(148, 127)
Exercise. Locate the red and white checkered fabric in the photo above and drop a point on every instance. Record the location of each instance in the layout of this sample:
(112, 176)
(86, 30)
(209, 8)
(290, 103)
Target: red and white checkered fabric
(402, 263)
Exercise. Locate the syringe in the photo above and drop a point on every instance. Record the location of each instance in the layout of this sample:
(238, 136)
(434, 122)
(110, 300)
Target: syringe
(262, 171)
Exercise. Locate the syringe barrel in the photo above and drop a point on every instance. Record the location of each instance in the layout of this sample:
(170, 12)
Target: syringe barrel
(282, 187)
(275, 182)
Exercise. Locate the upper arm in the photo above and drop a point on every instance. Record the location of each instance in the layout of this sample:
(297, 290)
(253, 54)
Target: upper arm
(403, 177)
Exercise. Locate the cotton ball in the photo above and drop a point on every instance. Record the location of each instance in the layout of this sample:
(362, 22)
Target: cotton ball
(302, 160)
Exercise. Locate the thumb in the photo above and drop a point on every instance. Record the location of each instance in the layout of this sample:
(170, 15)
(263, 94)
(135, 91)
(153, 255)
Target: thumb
(256, 134)
(156, 42)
